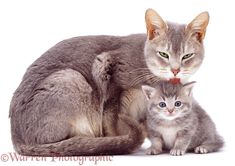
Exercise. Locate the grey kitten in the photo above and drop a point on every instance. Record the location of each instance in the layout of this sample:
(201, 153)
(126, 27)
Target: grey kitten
(176, 122)
(68, 102)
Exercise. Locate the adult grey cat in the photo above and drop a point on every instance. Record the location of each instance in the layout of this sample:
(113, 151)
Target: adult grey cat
(68, 101)
(176, 122)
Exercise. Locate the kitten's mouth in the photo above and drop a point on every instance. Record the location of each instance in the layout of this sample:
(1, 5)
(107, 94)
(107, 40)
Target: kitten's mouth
(169, 117)
(175, 80)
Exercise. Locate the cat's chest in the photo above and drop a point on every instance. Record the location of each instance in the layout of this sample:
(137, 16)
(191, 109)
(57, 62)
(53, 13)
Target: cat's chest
(168, 135)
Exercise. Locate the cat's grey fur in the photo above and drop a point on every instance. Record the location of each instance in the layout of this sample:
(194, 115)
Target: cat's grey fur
(68, 100)
(190, 130)
(59, 90)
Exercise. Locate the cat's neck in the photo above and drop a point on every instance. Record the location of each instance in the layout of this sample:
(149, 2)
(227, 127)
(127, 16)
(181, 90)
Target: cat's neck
(133, 72)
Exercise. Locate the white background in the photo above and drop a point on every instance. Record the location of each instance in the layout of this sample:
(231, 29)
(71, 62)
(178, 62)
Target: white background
(28, 28)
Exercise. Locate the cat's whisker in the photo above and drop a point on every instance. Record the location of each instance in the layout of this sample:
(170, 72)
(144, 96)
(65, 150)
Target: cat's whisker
(137, 80)
(152, 79)
(141, 78)
(155, 80)
(140, 69)
(162, 69)
(185, 73)
(141, 75)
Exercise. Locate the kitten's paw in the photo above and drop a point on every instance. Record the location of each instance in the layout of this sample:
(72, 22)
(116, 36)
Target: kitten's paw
(153, 151)
(201, 150)
(177, 152)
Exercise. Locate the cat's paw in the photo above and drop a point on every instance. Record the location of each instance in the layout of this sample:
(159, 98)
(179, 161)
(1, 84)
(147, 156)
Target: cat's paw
(153, 151)
(200, 150)
(177, 152)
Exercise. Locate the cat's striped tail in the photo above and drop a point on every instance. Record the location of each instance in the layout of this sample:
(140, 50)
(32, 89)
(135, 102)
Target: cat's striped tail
(82, 146)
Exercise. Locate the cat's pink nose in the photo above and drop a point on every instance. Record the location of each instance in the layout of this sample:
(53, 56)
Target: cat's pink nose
(170, 110)
(175, 71)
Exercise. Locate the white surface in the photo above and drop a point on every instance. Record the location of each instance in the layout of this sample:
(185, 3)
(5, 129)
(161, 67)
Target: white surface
(28, 28)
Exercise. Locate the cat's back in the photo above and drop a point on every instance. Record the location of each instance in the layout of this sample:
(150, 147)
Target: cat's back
(76, 53)
(96, 44)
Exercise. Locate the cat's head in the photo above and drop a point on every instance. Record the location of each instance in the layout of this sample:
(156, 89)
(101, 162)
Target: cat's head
(169, 101)
(174, 51)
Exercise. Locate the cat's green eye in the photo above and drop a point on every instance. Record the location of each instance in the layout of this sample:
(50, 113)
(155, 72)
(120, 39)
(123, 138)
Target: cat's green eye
(163, 54)
(187, 56)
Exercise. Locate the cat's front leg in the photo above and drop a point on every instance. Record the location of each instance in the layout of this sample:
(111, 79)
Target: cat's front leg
(156, 144)
(181, 144)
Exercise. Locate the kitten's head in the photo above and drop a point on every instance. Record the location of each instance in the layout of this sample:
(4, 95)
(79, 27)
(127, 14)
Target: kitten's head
(169, 101)
(174, 51)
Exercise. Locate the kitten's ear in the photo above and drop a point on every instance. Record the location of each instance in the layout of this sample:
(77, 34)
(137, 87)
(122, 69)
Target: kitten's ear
(154, 23)
(197, 28)
(148, 91)
(188, 87)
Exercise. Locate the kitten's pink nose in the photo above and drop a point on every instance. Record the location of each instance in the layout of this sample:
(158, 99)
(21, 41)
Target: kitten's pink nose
(175, 71)
(170, 110)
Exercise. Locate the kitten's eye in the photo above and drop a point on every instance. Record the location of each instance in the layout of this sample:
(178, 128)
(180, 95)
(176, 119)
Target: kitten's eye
(163, 54)
(187, 56)
(178, 103)
(162, 104)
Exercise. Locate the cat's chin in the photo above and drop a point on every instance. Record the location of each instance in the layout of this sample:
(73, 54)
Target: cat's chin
(178, 80)
(169, 117)
(175, 80)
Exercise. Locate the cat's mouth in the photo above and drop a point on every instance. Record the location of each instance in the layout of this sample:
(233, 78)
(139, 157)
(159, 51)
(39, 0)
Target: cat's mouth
(175, 80)
(169, 116)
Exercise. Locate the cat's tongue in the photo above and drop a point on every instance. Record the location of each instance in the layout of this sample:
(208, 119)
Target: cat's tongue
(175, 80)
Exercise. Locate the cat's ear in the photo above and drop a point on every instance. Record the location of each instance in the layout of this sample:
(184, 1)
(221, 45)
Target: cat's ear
(148, 91)
(188, 87)
(197, 27)
(154, 24)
